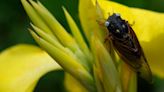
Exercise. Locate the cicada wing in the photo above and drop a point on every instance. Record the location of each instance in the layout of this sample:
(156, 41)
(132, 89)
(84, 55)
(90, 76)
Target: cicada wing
(134, 58)
(139, 65)
(145, 71)
(127, 56)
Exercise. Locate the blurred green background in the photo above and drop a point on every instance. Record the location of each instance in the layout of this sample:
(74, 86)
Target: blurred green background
(13, 30)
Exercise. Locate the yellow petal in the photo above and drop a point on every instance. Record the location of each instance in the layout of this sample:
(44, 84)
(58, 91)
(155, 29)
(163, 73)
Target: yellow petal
(150, 31)
(21, 67)
(88, 17)
(128, 78)
(149, 28)
(109, 7)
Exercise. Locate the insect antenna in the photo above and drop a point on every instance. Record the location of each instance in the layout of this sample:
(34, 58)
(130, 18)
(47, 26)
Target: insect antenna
(100, 17)
(99, 11)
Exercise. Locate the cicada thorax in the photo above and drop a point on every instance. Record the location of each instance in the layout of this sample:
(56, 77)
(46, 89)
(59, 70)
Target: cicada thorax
(127, 45)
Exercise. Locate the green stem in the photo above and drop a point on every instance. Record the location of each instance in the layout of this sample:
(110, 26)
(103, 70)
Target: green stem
(133, 83)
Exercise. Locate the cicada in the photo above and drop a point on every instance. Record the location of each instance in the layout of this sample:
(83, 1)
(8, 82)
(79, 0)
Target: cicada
(127, 46)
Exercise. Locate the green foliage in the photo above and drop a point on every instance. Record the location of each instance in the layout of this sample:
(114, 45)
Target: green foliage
(14, 23)
(51, 82)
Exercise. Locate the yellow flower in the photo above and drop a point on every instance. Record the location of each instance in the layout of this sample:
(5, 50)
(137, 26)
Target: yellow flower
(148, 26)
(88, 66)
(21, 66)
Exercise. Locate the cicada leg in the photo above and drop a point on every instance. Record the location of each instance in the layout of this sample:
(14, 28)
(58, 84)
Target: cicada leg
(108, 43)
(133, 23)
(110, 48)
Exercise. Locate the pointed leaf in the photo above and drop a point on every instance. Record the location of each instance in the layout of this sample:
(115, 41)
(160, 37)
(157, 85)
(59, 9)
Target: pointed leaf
(35, 18)
(69, 63)
(73, 85)
(76, 32)
(110, 77)
(65, 38)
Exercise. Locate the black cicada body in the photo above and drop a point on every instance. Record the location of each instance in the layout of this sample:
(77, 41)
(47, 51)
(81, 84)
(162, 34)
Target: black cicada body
(127, 46)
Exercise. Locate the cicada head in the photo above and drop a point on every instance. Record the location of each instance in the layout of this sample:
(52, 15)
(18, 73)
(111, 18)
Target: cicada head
(117, 27)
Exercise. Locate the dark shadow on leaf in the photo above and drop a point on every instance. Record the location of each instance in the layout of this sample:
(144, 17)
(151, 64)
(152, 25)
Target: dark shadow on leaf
(51, 82)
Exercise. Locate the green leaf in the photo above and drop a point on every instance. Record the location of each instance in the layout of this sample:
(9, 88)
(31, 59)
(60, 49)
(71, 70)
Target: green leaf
(107, 70)
(73, 85)
(36, 18)
(64, 37)
(69, 63)
(76, 33)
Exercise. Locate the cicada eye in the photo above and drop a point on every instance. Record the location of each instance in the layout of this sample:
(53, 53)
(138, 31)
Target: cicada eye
(107, 23)
(117, 14)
